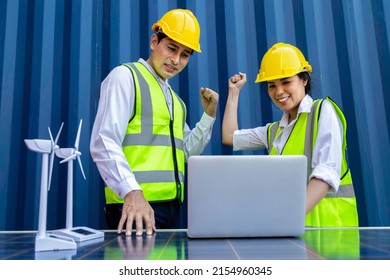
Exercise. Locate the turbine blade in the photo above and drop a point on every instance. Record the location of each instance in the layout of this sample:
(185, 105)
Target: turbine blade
(76, 143)
(81, 167)
(68, 158)
(59, 132)
(51, 136)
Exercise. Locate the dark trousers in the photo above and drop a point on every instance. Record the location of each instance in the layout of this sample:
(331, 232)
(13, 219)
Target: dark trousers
(166, 214)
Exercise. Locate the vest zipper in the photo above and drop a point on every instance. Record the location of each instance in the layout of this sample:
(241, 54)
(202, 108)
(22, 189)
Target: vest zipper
(177, 179)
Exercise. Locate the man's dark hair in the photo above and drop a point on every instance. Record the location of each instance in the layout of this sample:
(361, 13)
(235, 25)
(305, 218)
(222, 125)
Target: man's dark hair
(161, 35)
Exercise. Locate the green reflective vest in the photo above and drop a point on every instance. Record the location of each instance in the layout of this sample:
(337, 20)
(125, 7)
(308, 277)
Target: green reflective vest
(153, 144)
(334, 210)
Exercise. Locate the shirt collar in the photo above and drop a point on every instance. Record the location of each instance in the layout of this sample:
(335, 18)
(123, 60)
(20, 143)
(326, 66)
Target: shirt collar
(162, 81)
(304, 107)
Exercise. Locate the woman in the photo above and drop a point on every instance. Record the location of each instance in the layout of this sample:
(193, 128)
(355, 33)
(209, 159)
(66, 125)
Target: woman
(330, 199)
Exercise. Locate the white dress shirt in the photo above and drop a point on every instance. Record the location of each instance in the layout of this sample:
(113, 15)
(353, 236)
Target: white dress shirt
(116, 107)
(327, 154)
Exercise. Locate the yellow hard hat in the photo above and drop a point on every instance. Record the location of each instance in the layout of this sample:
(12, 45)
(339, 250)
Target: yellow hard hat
(282, 61)
(181, 26)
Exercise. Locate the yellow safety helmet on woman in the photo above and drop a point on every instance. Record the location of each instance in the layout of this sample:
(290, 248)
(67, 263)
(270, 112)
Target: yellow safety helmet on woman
(181, 26)
(282, 61)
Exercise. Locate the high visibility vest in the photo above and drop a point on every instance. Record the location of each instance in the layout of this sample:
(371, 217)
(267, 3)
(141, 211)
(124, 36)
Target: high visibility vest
(334, 210)
(153, 144)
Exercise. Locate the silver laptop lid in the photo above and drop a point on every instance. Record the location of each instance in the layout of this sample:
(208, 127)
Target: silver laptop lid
(246, 196)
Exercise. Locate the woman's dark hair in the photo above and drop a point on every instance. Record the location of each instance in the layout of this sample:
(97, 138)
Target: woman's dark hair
(306, 76)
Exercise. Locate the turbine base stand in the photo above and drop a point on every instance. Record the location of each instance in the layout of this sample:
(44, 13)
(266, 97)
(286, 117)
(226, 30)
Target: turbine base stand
(80, 234)
(54, 242)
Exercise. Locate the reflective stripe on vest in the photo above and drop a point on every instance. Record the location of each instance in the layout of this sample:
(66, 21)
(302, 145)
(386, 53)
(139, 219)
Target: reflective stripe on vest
(337, 209)
(151, 134)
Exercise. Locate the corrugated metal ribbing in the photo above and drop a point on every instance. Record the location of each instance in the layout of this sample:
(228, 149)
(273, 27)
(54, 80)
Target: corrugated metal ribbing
(54, 55)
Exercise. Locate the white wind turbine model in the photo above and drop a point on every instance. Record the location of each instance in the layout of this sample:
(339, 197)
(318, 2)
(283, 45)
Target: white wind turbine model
(45, 241)
(78, 234)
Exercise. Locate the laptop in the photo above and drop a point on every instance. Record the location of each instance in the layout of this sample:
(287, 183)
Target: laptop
(246, 196)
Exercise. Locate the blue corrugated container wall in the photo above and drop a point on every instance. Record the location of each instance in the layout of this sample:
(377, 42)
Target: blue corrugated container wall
(55, 53)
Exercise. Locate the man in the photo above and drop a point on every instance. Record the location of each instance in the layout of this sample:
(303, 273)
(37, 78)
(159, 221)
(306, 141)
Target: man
(140, 140)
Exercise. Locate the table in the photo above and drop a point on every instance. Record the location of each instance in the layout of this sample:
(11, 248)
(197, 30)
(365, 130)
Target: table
(370, 243)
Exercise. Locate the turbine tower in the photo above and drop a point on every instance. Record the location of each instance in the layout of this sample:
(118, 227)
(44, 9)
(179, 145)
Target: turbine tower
(45, 241)
(78, 234)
